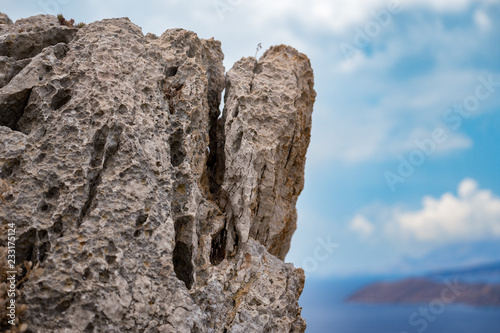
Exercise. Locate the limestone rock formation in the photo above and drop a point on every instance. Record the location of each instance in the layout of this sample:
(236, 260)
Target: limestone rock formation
(141, 208)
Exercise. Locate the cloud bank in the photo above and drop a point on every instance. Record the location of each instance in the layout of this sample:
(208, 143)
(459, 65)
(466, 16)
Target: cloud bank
(470, 214)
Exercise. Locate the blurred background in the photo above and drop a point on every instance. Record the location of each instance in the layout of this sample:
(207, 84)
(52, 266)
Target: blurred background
(402, 174)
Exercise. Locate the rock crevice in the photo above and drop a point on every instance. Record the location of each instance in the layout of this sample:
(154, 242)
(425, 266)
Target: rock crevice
(141, 207)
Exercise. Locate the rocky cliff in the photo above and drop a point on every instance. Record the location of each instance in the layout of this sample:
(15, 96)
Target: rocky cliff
(140, 207)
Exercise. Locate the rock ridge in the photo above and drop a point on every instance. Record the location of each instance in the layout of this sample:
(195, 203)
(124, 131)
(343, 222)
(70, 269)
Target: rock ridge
(140, 206)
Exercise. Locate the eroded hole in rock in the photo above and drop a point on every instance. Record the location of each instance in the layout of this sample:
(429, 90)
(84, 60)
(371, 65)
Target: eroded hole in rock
(13, 107)
(216, 158)
(106, 142)
(104, 276)
(87, 274)
(8, 168)
(44, 207)
(177, 153)
(112, 247)
(218, 250)
(25, 244)
(94, 181)
(90, 328)
(139, 222)
(112, 144)
(61, 98)
(237, 142)
(172, 92)
(44, 245)
(57, 227)
(171, 71)
(289, 155)
(60, 50)
(236, 111)
(110, 260)
(191, 52)
(141, 219)
(65, 304)
(236, 238)
(183, 266)
(183, 250)
(52, 193)
(122, 109)
(99, 142)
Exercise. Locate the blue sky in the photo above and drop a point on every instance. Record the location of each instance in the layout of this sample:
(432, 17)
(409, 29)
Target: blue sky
(408, 95)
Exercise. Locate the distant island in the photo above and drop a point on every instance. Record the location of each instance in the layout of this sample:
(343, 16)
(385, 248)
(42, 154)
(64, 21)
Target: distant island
(423, 290)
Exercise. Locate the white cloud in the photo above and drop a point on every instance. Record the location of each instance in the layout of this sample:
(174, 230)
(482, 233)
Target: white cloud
(341, 14)
(482, 20)
(362, 226)
(472, 214)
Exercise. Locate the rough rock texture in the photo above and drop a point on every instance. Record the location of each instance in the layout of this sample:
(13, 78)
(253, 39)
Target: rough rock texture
(264, 164)
(25, 39)
(4, 19)
(142, 209)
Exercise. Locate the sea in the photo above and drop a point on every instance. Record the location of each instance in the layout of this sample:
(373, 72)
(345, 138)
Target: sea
(325, 311)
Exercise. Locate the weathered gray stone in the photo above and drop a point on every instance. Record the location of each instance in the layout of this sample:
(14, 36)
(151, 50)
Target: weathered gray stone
(267, 125)
(9, 68)
(4, 20)
(27, 37)
(140, 207)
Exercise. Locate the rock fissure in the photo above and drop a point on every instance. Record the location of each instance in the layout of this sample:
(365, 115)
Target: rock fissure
(13, 108)
(105, 145)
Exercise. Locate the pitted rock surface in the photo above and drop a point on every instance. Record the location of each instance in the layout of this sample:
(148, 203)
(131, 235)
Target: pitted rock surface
(141, 208)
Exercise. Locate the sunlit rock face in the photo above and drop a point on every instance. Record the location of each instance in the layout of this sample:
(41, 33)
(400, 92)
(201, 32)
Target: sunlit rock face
(141, 207)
